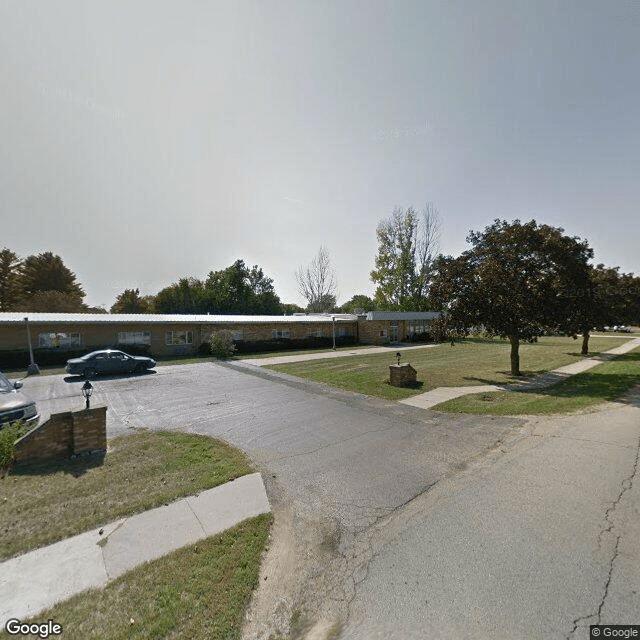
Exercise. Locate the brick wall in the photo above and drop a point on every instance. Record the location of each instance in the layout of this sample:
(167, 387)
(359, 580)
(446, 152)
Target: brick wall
(401, 375)
(252, 332)
(370, 330)
(64, 435)
(97, 336)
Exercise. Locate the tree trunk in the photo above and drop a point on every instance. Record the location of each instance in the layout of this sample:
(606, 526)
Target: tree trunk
(585, 343)
(515, 356)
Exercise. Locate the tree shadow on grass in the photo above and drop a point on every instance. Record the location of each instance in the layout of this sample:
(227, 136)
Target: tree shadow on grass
(75, 467)
(602, 387)
(528, 376)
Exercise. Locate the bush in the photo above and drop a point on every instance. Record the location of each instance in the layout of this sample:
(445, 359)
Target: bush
(9, 433)
(222, 345)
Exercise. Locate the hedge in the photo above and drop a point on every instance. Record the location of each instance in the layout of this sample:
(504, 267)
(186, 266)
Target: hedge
(19, 359)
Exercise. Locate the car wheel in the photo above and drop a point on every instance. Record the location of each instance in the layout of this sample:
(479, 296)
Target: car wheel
(89, 373)
(139, 369)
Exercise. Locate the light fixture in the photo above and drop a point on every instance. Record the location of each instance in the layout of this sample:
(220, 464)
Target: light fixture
(87, 390)
(398, 356)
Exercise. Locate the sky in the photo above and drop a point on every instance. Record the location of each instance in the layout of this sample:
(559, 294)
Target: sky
(144, 141)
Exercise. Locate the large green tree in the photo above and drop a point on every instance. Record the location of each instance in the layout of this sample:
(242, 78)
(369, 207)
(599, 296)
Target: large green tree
(407, 243)
(607, 297)
(130, 301)
(236, 289)
(47, 272)
(185, 296)
(358, 304)
(46, 284)
(243, 290)
(10, 271)
(511, 282)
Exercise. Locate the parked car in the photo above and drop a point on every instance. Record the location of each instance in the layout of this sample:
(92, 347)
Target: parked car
(108, 361)
(14, 404)
(622, 329)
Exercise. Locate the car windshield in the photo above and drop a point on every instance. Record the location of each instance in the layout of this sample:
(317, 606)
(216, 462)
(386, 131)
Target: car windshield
(5, 385)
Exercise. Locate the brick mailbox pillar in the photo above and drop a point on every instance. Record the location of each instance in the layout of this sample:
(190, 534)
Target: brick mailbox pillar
(402, 375)
(63, 435)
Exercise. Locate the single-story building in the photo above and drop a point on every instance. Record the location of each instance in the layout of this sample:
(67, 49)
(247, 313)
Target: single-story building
(169, 334)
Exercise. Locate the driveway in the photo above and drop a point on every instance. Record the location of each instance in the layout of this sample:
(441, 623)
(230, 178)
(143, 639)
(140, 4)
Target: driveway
(399, 522)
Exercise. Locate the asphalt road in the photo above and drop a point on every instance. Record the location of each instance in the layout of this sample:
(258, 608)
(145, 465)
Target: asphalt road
(409, 523)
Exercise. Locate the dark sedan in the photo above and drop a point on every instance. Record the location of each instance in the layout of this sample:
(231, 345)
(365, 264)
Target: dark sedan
(108, 361)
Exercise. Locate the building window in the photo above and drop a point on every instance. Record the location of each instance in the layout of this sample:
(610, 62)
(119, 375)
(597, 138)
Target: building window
(282, 333)
(383, 333)
(418, 326)
(179, 337)
(315, 334)
(134, 337)
(341, 332)
(61, 340)
(238, 335)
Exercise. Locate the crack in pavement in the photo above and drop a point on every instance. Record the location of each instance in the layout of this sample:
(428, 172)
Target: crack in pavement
(609, 528)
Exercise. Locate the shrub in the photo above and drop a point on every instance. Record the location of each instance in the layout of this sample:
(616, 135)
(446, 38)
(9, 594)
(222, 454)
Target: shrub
(16, 359)
(9, 433)
(222, 345)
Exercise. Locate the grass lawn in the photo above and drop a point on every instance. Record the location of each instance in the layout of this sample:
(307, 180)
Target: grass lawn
(196, 592)
(40, 505)
(604, 383)
(474, 361)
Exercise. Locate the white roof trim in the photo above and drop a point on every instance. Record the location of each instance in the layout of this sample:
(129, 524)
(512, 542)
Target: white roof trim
(151, 318)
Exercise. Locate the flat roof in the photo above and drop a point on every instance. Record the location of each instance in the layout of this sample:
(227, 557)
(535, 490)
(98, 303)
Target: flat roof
(403, 315)
(16, 317)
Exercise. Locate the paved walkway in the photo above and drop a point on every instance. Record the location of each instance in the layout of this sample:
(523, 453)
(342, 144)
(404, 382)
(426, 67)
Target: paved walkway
(35, 581)
(323, 355)
(442, 394)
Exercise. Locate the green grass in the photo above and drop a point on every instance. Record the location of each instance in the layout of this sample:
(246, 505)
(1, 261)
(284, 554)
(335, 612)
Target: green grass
(605, 383)
(474, 361)
(296, 352)
(41, 505)
(198, 592)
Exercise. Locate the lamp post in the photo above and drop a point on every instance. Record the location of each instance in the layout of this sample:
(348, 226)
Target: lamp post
(33, 367)
(398, 356)
(87, 390)
(333, 322)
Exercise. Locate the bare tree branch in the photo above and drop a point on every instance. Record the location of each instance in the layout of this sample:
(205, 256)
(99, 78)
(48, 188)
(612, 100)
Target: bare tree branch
(317, 283)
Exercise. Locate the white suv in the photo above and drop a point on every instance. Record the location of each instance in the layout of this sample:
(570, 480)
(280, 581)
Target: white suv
(15, 405)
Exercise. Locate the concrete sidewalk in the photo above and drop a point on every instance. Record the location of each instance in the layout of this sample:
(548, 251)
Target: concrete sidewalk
(35, 581)
(442, 394)
(322, 355)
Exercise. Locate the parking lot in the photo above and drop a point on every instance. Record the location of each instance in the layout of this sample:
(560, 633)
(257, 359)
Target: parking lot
(395, 519)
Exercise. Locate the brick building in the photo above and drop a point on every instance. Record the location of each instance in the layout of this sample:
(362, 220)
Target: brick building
(165, 335)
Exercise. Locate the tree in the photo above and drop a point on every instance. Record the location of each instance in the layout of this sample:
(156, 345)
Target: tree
(407, 243)
(358, 304)
(130, 301)
(317, 283)
(511, 282)
(10, 272)
(238, 289)
(52, 302)
(46, 272)
(606, 298)
(289, 308)
(185, 296)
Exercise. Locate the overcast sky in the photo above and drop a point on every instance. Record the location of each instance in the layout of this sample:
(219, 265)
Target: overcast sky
(144, 141)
